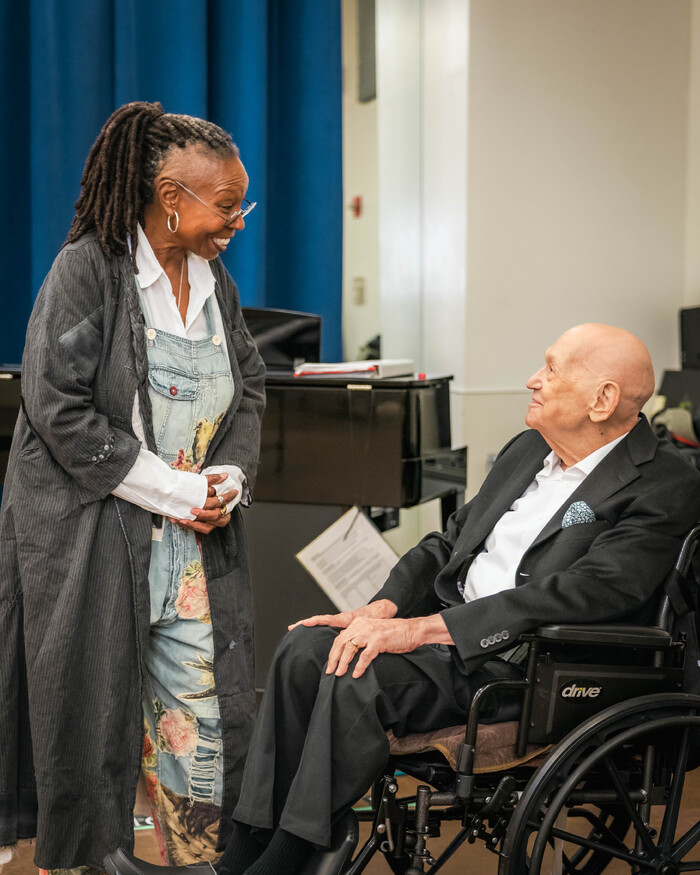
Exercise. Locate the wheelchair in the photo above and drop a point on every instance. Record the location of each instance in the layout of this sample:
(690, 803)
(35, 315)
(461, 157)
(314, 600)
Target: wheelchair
(591, 775)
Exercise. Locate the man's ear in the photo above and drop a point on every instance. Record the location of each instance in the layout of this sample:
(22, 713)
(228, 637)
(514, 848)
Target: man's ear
(605, 402)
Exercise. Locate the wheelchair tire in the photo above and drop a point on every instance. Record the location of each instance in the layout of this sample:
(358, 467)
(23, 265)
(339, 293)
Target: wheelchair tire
(596, 774)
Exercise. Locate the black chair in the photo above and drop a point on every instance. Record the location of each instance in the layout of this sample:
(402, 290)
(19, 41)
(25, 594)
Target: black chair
(599, 748)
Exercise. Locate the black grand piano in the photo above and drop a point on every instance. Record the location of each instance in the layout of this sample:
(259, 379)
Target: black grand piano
(327, 443)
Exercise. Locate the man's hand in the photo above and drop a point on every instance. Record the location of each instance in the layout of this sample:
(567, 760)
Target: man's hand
(374, 629)
(370, 637)
(382, 609)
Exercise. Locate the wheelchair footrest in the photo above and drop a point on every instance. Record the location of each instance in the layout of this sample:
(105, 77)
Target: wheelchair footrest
(333, 860)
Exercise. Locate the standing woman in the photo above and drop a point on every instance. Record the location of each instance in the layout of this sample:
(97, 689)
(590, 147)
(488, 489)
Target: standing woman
(125, 608)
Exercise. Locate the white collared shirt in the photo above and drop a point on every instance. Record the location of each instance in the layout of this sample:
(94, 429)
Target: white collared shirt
(494, 569)
(152, 483)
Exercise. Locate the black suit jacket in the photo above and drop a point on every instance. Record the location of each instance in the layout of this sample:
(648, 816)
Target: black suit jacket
(645, 498)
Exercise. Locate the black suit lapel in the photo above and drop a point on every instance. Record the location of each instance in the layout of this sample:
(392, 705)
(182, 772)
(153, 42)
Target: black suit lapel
(616, 470)
(513, 472)
(498, 494)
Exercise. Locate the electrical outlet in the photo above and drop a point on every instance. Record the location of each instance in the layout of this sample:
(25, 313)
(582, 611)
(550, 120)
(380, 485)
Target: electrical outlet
(358, 290)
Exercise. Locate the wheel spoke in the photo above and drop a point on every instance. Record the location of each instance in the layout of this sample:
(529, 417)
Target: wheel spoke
(685, 843)
(673, 805)
(639, 826)
(584, 842)
(600, 828)
(597, 824)
(570, 868)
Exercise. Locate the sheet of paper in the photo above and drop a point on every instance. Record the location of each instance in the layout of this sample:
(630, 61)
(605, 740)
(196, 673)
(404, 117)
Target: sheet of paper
(350, 560)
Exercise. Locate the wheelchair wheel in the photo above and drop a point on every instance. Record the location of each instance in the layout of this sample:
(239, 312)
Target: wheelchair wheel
(611, 791)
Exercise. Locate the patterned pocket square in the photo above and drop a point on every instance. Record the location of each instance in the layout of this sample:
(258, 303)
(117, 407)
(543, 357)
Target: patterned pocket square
(577, 513)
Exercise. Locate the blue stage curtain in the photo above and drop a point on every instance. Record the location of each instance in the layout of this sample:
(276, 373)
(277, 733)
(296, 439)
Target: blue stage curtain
(269, 71)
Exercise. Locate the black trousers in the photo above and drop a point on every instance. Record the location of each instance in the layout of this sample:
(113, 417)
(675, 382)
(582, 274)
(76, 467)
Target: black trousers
(320, 740)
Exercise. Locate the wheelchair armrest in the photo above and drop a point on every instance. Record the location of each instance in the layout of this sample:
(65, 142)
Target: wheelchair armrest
(616, 636)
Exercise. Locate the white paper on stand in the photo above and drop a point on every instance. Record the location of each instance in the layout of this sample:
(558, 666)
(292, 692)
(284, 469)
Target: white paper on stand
(349, 560)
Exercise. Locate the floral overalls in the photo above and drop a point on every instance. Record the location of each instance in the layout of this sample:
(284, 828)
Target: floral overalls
(190, 388)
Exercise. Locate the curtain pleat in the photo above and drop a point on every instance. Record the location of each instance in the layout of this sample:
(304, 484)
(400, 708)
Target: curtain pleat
(15, 197)
(268, 71)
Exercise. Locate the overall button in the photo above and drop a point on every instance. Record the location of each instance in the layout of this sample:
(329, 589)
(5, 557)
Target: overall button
(151, 334)
(173, 391)
(216, 340)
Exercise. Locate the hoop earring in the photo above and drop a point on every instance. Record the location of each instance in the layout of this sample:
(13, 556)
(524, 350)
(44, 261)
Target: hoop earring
(177, 222)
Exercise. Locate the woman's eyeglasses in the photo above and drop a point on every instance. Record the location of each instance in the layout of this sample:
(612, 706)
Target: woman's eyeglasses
(246, 207)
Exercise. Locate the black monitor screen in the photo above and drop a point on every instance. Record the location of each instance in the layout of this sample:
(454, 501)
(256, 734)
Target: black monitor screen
(284, 337)
(690, 337)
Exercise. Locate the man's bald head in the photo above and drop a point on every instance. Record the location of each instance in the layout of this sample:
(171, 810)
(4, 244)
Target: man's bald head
(608, 353)
(595, 381)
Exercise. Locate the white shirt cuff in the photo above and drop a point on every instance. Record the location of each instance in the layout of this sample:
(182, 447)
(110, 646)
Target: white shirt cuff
(153, 485)
(236, 479)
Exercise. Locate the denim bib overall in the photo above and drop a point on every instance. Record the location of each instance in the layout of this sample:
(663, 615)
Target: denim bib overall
(190, 388)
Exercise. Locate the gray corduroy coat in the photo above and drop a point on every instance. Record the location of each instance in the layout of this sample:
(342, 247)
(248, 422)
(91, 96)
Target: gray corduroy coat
(74, 597)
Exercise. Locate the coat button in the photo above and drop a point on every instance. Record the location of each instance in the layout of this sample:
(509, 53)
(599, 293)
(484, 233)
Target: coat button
(484, 642)
(151, 334)
(216, 340)
(173, 391)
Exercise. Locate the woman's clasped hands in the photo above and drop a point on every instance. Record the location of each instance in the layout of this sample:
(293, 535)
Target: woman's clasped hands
(216, 512)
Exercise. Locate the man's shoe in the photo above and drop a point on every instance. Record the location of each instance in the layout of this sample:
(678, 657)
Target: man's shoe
(121, 863)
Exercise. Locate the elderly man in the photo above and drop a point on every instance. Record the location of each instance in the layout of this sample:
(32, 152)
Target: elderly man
(580, 517)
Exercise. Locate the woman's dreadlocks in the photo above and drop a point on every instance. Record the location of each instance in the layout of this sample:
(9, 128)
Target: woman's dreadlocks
(120, 170)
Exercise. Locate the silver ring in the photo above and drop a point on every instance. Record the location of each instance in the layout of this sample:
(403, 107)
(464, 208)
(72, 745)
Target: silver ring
(221, 500)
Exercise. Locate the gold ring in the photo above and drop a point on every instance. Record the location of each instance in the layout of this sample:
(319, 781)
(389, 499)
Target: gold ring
(354, 644)
(222, 510)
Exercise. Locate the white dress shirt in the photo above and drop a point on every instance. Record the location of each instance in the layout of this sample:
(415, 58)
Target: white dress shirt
(493, 570)
(152, 483)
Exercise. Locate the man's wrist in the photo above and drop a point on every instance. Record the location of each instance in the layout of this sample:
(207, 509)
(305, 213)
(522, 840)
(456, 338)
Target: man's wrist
(429, 630)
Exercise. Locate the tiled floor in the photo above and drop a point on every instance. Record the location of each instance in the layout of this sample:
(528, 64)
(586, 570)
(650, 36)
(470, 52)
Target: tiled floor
(474, 859)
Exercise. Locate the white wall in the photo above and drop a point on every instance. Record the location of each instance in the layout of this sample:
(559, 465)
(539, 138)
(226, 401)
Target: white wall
(361, 321)
(691, 296)
(561, 143)
(577, 187)
(400, 178)
(422, 78)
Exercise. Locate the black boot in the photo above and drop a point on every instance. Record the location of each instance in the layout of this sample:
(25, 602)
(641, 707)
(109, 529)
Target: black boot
(121, 863)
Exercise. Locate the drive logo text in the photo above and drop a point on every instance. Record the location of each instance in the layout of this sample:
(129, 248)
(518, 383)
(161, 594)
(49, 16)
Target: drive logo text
(578, 691)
